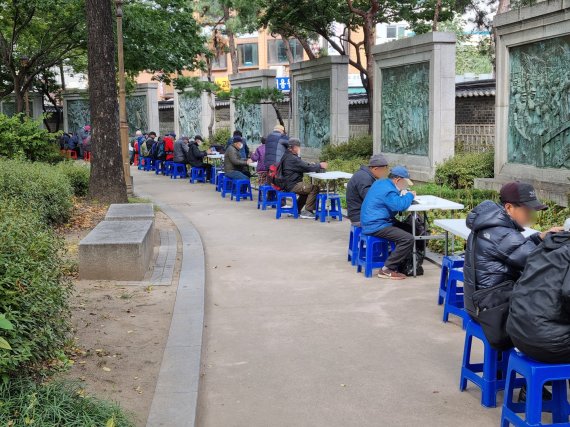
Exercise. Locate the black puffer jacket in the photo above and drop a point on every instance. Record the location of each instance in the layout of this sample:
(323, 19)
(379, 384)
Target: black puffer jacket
(500, 250)
(539, 318)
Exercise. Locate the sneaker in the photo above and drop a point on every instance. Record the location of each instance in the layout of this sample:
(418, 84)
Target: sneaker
(307, 214)
(390, 274)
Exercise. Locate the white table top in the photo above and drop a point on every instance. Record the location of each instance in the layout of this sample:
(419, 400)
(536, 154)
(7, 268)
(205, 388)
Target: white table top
(215, 156)
(430, 203)
(253, 165)
(330, 175)
(459, 228)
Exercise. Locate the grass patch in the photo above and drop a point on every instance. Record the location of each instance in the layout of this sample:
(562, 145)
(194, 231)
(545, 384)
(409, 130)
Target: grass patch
(58, 403)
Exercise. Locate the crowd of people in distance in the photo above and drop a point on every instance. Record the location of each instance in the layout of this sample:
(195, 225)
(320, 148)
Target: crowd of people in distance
(79, 141)
(530, 276)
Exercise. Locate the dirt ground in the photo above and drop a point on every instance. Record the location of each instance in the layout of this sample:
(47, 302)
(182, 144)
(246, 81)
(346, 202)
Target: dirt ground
(120, 330)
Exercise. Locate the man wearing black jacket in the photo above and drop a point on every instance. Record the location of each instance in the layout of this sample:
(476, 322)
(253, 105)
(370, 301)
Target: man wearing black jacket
(196, 156)
(292, 169)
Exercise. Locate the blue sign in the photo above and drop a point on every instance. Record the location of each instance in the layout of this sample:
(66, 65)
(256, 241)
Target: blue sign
(283, 83)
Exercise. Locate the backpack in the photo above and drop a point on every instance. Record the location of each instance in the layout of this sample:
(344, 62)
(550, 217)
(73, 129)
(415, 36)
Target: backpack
(275, 176)
(159, 152)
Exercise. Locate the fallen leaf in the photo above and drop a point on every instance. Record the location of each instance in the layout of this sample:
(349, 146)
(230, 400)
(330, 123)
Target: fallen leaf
(106, 369)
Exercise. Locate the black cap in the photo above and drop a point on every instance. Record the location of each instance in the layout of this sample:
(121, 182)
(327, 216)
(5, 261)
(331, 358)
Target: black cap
(198, 137)
(522, 194)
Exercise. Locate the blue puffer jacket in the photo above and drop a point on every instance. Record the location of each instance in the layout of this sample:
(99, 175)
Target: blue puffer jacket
(383, 201)
(500, 251)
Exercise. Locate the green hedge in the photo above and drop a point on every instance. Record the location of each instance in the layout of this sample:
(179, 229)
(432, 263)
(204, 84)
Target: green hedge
(56, 404)
(42, 187)
(461, 170)
(33, 293)
(78, 175)
(27, 139)
(356, 148)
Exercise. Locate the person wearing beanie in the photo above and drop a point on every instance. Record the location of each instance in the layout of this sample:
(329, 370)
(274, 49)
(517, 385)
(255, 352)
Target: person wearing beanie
(274, 146)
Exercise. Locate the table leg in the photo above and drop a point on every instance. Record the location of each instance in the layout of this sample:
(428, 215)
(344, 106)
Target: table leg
(414, 253)
(446, 241)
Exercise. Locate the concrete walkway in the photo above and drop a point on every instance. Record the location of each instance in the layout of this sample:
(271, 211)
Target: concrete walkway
(294, 337)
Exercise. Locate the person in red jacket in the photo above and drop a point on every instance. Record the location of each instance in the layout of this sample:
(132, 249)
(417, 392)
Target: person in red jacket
(169, 146)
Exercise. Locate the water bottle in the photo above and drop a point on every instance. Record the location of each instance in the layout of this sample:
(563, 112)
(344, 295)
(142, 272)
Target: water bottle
(567, 225)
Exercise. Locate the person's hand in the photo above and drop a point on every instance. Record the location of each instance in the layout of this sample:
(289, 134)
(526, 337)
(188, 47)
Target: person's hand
(249, 161)
(324, 165)
(552, 230)
(414, 193)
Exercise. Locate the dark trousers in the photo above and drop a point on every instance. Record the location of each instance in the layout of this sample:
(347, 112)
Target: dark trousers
(401, 235)
(207, 167)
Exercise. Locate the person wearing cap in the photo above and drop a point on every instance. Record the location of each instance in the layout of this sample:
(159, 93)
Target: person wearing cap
(360, 183)
(383, 201)
(235, 167)
(275, 146)
(293, 168)
(196, 156)
(496, 244)
(244, 151)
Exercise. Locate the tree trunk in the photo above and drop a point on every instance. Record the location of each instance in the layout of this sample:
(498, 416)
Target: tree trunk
(211, 105)
(504, 6)
(278, 114)
(231, 42)
(369, 41)
(306, 47)
(62, 75)
(107, 181)
(288, 51)
(436, 15)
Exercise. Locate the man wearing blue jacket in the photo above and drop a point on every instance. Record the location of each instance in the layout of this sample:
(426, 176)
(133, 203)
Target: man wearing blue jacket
(378, 216)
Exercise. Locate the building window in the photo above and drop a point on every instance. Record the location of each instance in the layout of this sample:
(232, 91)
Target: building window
(248, 56)
(220, 62)
(395, 31)
(276, 53)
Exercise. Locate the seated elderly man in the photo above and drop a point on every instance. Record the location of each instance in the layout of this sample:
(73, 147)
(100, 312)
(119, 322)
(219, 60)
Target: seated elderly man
(361, 182)
(234, 166)
(384, 200)
(292, 170)
(181, 150)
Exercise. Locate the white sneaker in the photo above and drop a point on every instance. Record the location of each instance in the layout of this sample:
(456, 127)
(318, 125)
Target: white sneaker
(307, 214)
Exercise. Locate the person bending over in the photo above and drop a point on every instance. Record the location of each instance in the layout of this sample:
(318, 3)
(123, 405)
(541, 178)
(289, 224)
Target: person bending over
(196, 156)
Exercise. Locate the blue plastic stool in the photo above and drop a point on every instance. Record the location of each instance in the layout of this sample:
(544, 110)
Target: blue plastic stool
(178, 171)
(353, 240)
(159, 167)
(197, 174)
(214, 174)
(267, 196)
(536, 375)
(148, 164)
(282, 197)
(242, 190)
(321, 211)
(227, 186)
(447, 264)
(372, 253)
(454, 297)
(492, 370)
(219, 181)
(168, 167)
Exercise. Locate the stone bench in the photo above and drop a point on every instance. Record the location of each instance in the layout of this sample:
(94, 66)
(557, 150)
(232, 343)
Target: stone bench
(130, 212)
(117, 250)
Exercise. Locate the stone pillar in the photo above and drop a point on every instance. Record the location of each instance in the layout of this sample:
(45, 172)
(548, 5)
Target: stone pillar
(76, 112)
(414, 102)
(254, 120)
(319, 93)
(192, 113)
(142, 109)
(8, 106)
(532, 114)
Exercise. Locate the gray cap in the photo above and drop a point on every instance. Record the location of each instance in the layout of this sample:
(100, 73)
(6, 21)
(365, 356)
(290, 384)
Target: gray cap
(378, 160)
(293, 142)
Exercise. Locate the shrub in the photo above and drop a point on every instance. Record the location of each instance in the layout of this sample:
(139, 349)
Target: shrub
(26, 139)
(461, 170)
(349, 165)
(38, 185)
(221, 137)
(56, 404)
(33, 293)
(356, 148)
(78, 175)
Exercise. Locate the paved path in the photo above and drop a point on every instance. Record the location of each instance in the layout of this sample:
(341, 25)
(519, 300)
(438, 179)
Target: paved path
(294, 337)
